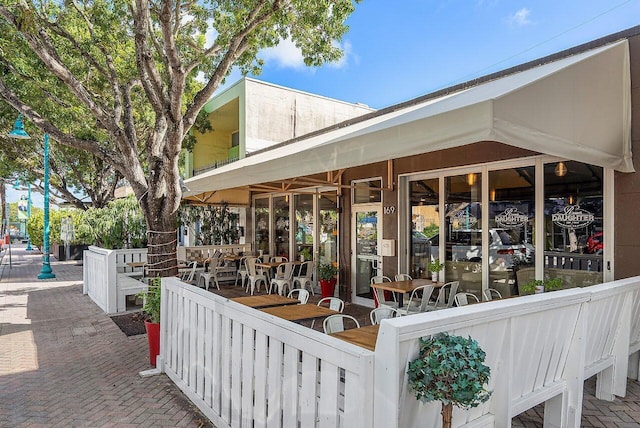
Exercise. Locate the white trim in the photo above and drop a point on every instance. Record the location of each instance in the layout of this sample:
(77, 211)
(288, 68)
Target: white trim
(608, 195)
(354, 260)
(539, 225)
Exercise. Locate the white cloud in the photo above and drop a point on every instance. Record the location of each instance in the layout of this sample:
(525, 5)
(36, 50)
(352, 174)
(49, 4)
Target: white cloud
(520, 18)
(287, 55)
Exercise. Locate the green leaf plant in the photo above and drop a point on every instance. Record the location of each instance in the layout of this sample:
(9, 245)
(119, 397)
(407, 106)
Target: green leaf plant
(449, 369)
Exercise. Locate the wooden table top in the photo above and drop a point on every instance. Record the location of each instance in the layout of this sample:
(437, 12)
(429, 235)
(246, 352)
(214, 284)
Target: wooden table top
(136, 264)
(232, 257)
(299, 312)
(364, 337)
(265, 301)
(406, 286)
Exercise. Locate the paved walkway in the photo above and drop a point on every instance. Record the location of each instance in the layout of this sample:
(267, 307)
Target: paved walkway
(64, 363)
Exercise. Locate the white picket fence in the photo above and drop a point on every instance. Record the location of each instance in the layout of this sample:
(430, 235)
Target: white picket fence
(102, 274)
(243, 367)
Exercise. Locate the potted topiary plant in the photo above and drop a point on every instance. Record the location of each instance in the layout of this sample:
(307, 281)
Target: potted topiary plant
(151, 309)
(435, 267)
(327, 278)
(449, 369)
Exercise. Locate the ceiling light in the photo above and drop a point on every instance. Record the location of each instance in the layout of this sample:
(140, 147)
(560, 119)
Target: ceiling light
(561, 169)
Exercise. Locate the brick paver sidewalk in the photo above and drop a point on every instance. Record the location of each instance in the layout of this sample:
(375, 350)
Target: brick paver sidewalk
(64, 363)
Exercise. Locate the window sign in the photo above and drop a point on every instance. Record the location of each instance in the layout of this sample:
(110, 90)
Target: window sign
(512, 218)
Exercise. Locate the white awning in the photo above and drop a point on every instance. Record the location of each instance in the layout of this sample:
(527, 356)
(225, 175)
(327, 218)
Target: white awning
(576, 108)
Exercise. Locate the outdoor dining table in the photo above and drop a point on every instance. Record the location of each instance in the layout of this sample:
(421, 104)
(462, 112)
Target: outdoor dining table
(265, 301)
(270, 266)
(299, 312)
(402, 287)
(365, 337)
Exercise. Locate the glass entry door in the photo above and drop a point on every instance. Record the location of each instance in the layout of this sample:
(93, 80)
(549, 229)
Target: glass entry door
(366, 262)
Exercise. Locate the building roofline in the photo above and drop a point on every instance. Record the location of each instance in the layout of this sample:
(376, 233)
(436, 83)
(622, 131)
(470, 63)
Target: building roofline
(611, 38)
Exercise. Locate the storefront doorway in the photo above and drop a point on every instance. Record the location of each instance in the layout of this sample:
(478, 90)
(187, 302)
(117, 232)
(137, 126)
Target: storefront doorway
(366, 261)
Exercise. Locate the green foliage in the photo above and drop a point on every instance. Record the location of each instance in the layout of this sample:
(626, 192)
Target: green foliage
(218, 225)
(435, 265)
(327, 271)
(35, 226)
(306, 253)
(151, 299)
(431, 230)
(549, 284)
(449, 369)
(119, 225)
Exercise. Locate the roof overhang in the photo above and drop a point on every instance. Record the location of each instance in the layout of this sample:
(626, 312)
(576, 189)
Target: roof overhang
(578, 108)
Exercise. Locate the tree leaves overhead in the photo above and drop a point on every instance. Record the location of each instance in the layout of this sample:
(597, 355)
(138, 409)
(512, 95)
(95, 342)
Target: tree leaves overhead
(118, 78)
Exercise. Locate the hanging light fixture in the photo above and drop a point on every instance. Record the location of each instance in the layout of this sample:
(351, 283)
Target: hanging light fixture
(492, 195)
(471, 179)
(561, 169)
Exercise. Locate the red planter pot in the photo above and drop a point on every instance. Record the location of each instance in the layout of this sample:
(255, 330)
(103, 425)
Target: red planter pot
(153, 336)
(327, 287)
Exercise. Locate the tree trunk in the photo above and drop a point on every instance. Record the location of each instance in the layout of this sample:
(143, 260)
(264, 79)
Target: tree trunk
(162, 242)
(446, 412)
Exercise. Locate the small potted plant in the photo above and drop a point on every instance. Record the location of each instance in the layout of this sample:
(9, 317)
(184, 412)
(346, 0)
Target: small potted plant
(305, 254)
(327, 278)
(151, 309)
(538, 286)
(435, 267)
(449, 369)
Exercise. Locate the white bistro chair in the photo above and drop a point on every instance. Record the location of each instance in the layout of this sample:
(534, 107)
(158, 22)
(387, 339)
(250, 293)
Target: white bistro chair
(335, 323)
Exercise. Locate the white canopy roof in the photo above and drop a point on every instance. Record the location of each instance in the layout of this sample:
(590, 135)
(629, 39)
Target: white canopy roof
(576, 108)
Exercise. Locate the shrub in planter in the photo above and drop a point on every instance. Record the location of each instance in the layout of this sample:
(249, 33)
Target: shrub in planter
(151, 309)
(327, 277)
(449, 369)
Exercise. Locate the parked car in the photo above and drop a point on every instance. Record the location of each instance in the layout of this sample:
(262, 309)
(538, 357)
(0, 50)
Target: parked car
(505, 250)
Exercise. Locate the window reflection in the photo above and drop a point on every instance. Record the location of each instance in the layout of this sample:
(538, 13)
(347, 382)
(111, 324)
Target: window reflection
(425, 225)
(304, 226)
(463, 217)
(511, 225)
(262, 224)
(281, 225)
(573, 208)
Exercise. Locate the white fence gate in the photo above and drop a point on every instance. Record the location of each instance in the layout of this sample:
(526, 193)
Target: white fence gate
(243, 367)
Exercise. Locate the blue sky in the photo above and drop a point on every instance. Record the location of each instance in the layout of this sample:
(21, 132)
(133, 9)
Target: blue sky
(399, 50)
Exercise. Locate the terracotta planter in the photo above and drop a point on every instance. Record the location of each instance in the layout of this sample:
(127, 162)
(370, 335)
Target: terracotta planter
(153, 336)
(327, 287)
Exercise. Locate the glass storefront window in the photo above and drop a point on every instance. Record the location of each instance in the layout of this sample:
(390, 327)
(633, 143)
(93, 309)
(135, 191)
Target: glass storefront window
(573, 209)
(261, 224)
(304, 226)
(511, 225)
(366, 192)
(281, 225)
(424, 202)
(328, 224)
(463, 234)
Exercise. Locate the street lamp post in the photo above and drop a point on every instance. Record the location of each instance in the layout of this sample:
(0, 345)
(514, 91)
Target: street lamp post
(19, 132)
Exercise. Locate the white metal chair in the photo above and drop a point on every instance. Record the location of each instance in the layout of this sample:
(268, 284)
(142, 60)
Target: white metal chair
(379, 294)
(418, 301)
(283, 278)
(305, 276)
(382, 313)
(242, 272)
(334, 303)
(189, 273)
(335, 323)
(491, 293)
(301, 293)
(403, 277)
(254, 276)
(446, 296)
(463, 299)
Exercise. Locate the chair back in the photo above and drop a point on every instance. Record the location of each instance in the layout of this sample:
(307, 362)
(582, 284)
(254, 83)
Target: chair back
(306, 270)
(403, 277)
(334, 303)
(301, 293)
(279, 259)
(285, 271)
(335, 323)
(419, 298)
(491, 293)
(463, 299)
(452, 292)
(382, 313)
(250, 263)
(192, 272)
(380, 279)
(447, 294)
(379, 295)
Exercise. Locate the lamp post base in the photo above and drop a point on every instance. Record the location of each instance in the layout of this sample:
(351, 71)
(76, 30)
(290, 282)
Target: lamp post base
(29, 248)
(46, 272)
